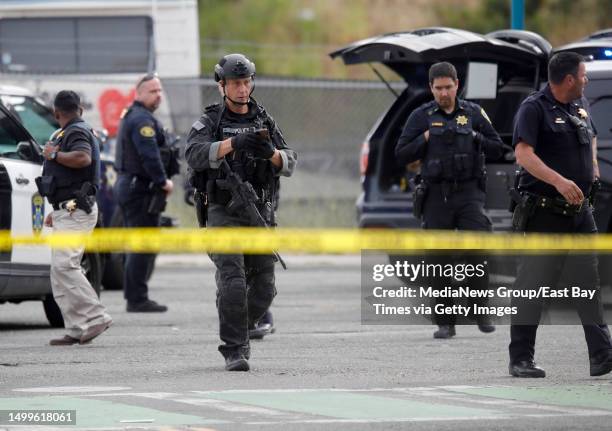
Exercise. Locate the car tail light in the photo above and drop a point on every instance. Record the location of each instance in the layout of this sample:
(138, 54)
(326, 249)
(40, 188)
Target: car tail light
(363, 157)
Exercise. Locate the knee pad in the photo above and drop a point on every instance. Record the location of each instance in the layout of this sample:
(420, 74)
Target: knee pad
(233, 295)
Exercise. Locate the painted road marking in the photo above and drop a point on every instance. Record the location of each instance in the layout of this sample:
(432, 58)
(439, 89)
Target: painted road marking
(323, 406)
(591, 396)
(92, 413)
(199, 401)
(73, 389)
(352, 406)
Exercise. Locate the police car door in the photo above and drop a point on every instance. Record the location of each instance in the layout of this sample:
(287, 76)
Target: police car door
(22, 209)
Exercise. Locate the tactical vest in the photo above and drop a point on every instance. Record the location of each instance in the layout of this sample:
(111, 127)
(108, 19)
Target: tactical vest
(68, 180)
(452, 154)
(256, 171)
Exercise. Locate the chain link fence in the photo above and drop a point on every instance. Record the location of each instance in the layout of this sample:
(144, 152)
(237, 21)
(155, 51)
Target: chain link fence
(324, 121)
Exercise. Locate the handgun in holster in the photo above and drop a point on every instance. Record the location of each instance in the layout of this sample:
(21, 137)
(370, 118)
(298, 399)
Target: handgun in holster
(418, 197)
(83, 197)
(595, 188)
(524, 206)
(200, 200)
(157, 203)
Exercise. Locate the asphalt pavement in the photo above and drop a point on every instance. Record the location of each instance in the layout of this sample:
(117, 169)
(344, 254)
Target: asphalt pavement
(322, 369)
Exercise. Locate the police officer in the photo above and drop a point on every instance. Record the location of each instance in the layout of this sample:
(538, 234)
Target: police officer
(142, 185)
(555, 150)
(451, 137)
(69, 180)
(225, 136)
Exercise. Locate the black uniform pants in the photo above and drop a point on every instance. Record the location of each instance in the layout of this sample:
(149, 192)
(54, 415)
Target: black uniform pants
(460, 207)
(245, 287)
(545, 270)
(133, 199)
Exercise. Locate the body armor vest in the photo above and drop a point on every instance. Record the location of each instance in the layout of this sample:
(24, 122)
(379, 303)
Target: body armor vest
(452, 154)
(68, 180)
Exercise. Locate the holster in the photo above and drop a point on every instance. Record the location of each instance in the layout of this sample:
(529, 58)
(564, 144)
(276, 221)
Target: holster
(82, 197)
(157, 203)
(595, 188)
(46, 185)
(418, 198)
(524, 206)
(482, 182)
(201, 206)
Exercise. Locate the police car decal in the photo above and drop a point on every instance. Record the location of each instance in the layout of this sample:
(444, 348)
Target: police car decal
(38, 212)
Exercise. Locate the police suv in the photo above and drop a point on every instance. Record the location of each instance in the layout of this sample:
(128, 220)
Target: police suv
(24, 270)
(498, 71)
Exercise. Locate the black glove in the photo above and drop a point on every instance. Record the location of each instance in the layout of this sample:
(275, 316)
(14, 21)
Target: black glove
(264, 149)
(244, 141)
(253, 143)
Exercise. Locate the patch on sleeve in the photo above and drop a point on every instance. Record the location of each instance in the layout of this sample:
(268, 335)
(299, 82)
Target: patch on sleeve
(147, 131)
(198, 125)
(484, 114)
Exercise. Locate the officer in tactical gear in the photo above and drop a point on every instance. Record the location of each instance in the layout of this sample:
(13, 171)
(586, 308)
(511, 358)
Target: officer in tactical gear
(555, 146)
(238, 134)
(70, 180)
(451, 137)
(145, 164)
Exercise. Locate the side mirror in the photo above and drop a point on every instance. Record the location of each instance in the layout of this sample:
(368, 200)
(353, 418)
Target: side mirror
(30, 152)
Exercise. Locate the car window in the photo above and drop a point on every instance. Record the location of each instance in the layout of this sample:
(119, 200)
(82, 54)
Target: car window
(600, 110)
(76, 44)
(10, 136)
(37, 118)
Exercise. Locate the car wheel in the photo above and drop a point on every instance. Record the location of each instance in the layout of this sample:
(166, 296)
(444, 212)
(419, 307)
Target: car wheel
(52, 311)
(92, 266)
(112, 278)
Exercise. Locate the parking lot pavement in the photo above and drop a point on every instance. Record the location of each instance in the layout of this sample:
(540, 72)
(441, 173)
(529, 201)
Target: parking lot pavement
(322, 369)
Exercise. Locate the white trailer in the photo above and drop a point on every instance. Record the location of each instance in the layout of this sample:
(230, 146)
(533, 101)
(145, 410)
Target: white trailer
(97, 48)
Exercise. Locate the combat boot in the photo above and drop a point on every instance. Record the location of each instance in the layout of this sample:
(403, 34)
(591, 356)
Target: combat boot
(485, 324)
(263, 327)
(236, 362)
(445, 331)
(527, 369)
(601, 363)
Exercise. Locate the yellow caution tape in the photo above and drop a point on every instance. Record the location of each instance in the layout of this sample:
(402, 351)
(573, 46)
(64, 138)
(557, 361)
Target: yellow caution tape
(314, 241)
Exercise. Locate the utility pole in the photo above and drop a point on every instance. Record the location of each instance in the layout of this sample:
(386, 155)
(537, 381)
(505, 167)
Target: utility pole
(517, 16)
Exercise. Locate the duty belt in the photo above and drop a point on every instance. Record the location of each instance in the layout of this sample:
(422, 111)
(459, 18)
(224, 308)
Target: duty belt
(558, 205)
(71, 205)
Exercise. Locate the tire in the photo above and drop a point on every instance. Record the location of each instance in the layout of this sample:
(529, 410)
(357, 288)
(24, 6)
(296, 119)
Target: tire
(53, 313)
(112, 277)
(92, 265)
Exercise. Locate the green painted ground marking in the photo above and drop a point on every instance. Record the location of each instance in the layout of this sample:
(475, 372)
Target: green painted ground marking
(347, 405)
(590, 397)
(97, 413)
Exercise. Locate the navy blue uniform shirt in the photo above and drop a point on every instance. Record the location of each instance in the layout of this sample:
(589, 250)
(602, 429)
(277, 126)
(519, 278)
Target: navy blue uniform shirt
(138, 141)
(543, 123)
(412, 144)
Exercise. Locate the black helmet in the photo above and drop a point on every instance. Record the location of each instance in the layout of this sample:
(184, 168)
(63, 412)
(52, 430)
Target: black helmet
(234, 66)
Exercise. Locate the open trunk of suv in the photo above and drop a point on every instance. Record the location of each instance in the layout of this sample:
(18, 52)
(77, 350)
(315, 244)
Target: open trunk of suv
(520, 61)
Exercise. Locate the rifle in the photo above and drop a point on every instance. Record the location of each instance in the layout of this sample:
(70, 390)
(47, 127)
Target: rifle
(243, 198)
